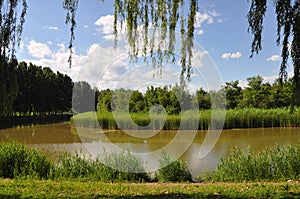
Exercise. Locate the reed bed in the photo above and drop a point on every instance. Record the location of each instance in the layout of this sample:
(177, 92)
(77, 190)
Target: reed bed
(235, 118)
(113, 167)
(271, 164)
(280, 163)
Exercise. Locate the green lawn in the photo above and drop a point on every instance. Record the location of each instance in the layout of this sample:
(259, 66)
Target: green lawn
(80, 189)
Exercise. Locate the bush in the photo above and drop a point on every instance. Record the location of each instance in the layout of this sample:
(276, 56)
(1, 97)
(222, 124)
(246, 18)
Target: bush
(173, 170)
(18, 161)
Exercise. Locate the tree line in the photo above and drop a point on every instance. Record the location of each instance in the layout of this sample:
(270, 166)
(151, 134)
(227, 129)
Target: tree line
(176, 99)
(33, 90)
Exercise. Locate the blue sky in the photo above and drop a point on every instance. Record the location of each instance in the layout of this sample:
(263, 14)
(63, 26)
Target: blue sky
(221, 31)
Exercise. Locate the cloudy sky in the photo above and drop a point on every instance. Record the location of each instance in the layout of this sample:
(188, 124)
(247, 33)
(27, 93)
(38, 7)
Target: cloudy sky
(223, 44)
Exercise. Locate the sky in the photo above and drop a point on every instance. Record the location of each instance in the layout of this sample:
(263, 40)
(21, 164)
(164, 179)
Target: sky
(222, 44)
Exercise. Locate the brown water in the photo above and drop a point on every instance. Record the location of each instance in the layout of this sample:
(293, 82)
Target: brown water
(55, 139)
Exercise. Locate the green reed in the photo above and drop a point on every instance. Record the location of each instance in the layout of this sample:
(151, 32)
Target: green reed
(173, 170)
(280, 163)
(111, 167)
(16, 161)
(235, 118)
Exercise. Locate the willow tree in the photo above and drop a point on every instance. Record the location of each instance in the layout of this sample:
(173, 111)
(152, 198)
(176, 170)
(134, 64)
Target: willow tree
(163, 17)
(10, 34)
(288, 35)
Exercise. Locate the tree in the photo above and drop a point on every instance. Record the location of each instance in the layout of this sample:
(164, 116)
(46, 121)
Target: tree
(120, 100)
(288, 27)
(136, 102)
(164, 16)
(8, 86)
(104, 100)
(257, 94)
(233, 94)
(10, 34)
(83, 96)
(282, 93)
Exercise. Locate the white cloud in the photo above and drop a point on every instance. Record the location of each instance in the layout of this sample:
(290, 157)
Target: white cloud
(106, 24)
(274, 58)
(236, 55)
(200, 32)
(206, 17)
(38, 50)
(198, 57)
(226, 55)
(232, 55)
(51, 27)
(85, 26)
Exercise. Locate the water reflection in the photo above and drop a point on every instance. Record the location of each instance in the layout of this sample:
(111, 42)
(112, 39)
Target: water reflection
(55, 139)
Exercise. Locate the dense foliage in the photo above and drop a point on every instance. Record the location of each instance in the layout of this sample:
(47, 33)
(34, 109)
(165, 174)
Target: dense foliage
(29, 89)
(175, 99)
(42, 91)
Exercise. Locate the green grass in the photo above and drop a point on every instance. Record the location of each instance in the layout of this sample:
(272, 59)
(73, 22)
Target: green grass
(271, 164)
(272, 173)
(235, 118)
(86, 189)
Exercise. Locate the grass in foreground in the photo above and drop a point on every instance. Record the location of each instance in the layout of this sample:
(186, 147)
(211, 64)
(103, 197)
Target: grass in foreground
(80, 189)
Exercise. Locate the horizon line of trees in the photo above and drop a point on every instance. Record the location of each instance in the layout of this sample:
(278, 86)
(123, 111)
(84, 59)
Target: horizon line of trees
(34, 90)
(28, 89)
(175, 99)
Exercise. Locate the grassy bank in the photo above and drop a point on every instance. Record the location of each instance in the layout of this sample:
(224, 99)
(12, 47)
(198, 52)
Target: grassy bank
(235, 118)
(80, 189)
(271, 164)
(25, 173)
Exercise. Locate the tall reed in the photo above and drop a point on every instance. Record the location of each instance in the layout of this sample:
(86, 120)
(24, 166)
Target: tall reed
(112, 167)
(271, 164)
(235, 118)
(18, 161)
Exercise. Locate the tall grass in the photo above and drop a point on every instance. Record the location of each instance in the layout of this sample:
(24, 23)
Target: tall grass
(235, 118)
(271, 164)
(16, 161)
(112, 167)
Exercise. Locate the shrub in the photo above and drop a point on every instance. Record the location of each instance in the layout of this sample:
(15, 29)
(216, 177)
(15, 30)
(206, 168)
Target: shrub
(173, 170)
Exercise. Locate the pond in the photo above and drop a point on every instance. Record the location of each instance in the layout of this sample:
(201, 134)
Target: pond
(55, 139)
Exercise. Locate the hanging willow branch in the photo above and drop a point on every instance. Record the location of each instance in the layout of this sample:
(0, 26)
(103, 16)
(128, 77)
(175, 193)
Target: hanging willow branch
(288, 27)
(11, 26)
(141, 15)
(71, 7)
(162, 16)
